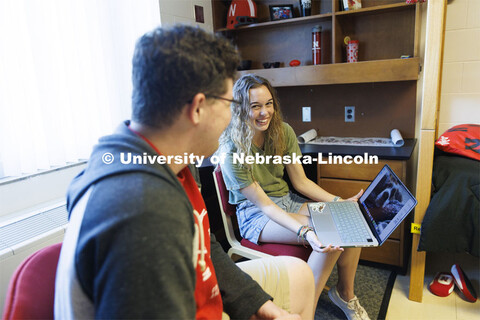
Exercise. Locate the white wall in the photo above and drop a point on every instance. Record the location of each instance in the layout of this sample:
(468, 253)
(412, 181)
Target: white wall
(20, 197)
(460, 96)
(182, 11)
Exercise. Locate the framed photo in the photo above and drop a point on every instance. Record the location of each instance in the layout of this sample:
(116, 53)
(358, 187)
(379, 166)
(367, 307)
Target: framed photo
(281, 11)
(351, 4)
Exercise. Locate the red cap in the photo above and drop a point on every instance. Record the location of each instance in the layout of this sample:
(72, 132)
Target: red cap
(463, 283)
(442, 284)
(241, 12)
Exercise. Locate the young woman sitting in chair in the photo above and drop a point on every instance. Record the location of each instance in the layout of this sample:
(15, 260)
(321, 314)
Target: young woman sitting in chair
(267, 211)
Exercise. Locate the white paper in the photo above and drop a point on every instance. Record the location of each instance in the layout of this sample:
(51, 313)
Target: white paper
(308, 136)
(395, 140)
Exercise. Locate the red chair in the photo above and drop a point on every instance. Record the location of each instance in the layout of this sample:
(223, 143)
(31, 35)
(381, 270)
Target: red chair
(244, 247)
(31, 290)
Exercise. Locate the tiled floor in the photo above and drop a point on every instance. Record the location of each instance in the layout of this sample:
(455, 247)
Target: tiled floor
(433, 307)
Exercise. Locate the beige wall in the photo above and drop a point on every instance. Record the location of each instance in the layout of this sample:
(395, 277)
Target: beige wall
(182, 11)
(460, 100)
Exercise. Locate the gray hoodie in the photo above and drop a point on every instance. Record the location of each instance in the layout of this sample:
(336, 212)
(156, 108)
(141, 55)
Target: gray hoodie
(128, 251)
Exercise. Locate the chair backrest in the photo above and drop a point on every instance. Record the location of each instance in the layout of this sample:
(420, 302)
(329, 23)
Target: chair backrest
(228, 208)
(244, 247)
(31, 290)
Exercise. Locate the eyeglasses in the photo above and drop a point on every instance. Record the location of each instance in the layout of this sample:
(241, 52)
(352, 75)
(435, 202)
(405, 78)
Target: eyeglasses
(222, 98)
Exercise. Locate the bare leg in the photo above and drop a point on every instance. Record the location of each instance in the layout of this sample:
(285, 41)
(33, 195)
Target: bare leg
(275, 233)
(321, 263)
(347, 268)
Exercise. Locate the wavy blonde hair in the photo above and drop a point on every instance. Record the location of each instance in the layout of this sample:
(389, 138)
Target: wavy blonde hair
(240, 130)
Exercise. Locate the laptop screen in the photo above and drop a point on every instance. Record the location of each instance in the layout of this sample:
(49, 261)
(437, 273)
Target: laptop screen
(386, 202)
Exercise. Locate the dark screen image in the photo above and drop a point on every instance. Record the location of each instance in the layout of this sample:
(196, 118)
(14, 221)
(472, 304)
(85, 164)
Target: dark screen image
(386, 200)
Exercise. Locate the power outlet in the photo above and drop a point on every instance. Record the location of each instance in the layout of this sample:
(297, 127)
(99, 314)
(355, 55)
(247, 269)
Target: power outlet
(349, 114)
(306, 114)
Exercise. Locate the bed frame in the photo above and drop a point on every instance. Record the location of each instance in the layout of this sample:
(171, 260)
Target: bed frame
(430, 103)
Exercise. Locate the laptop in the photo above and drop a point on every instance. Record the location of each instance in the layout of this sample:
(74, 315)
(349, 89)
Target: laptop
(368, 222)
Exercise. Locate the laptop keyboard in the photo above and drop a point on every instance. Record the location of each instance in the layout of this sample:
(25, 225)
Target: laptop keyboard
(349, 223)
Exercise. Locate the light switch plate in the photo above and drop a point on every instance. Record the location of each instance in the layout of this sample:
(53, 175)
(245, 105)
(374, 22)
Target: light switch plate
(306, 114)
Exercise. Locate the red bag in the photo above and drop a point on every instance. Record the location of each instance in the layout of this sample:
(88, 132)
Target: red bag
(463, 140)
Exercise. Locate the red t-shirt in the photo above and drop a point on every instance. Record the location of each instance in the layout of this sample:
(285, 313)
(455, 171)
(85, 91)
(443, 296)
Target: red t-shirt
(207, 293)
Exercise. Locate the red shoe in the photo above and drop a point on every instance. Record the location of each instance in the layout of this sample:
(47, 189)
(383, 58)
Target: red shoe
(463, 283)
(442, 285)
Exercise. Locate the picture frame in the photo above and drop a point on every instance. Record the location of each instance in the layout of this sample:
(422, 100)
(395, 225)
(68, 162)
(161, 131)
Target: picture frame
(281, 12)
(351, 4)
(354, 4)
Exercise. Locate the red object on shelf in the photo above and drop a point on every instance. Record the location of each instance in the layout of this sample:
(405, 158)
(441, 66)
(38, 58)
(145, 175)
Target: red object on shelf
(317, 45)
(294, 63)
(241, 12)
(352, 51)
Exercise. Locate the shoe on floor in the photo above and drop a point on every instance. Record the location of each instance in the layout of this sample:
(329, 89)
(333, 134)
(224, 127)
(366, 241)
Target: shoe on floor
(352, 309)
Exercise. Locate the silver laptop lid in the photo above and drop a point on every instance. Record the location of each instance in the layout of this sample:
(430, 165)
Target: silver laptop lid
(385, 203)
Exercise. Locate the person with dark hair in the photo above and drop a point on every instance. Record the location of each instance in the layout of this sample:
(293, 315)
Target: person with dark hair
(267, 210)
(138, 244)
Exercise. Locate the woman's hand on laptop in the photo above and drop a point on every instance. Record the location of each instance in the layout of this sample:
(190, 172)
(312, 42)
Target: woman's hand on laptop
(355, 197)
(317, 245)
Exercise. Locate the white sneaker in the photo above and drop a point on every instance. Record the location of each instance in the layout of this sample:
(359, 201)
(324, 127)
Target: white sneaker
(352, 309)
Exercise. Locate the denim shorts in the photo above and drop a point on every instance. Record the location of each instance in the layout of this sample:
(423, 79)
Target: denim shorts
(251, 219)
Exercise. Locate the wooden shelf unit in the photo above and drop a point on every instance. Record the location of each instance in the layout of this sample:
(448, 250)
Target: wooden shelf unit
(299, 20)
(342, 73)
(382, 86)
(290, 39)
(376, 8)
